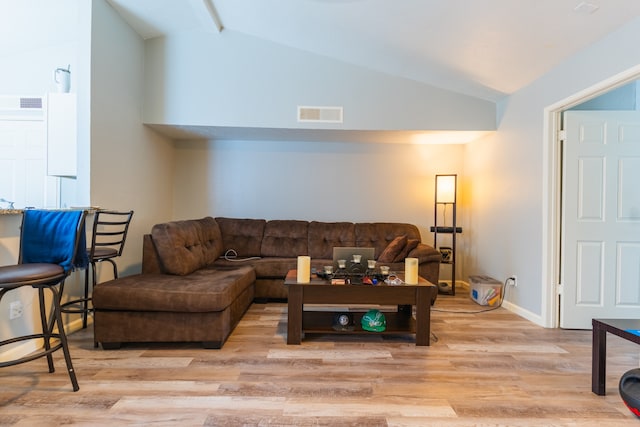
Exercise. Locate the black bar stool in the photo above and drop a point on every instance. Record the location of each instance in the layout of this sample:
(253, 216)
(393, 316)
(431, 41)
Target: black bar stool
(49, 242)
(107, 242)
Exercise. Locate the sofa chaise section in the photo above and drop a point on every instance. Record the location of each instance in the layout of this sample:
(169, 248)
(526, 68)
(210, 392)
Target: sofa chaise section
(191, 300)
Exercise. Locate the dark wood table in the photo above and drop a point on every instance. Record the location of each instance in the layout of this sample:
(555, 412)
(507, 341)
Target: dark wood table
(617, 327)
(321, 291)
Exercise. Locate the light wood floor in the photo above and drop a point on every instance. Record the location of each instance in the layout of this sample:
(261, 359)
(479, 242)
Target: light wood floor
(487, 369)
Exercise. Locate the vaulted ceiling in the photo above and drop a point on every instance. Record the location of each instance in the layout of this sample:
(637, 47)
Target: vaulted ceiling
(483, 48)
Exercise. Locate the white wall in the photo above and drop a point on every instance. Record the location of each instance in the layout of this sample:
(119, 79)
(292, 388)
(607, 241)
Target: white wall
(36, 37)
(131, 166)
(232, 79)
(31, 72)
(324, 181)
(509, 192)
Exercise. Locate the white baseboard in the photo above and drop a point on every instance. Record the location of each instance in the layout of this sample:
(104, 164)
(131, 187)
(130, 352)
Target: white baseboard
(526, 314)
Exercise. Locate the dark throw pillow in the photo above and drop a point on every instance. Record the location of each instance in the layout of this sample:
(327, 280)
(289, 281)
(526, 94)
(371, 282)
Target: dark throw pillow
(411, 245)
(393, 249)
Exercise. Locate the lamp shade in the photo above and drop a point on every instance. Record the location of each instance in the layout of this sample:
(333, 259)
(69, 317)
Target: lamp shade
(446, 188)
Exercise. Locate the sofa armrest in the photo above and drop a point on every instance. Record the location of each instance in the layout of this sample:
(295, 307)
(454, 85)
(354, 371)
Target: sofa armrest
(425, 253)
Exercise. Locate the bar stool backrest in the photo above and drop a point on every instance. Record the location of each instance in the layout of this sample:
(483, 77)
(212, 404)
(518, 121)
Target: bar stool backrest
(109, 235)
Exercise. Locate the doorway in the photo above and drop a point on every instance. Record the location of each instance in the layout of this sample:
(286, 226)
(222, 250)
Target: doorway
(552, 202)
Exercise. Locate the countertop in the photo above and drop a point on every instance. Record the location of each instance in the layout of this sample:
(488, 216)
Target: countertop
(89, 209)
(11, 211)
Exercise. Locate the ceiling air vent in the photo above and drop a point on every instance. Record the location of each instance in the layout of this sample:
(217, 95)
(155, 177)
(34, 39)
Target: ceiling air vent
(320, 114)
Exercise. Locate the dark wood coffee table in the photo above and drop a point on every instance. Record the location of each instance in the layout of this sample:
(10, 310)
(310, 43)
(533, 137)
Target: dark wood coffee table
(617, 327)
(321, 291)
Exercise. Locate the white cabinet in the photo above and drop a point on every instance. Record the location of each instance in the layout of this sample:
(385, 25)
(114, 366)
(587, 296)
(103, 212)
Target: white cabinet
(62, 134)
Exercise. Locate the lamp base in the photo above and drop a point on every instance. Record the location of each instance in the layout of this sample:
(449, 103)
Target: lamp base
(444, 288)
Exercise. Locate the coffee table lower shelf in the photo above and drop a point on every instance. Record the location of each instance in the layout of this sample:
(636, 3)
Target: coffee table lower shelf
(321, 322)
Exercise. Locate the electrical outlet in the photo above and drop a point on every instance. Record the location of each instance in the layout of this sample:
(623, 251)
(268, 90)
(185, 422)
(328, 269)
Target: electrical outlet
(512, 281)
(15, 310)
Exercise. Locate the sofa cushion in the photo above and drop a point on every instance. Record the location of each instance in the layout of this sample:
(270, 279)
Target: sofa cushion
(244, 236)
(393, 249)
(205, 290)
(186, 246)
(324, 236)
(285, 238)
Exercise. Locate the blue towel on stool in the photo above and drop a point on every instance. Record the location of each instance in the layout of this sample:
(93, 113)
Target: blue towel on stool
(50, 237)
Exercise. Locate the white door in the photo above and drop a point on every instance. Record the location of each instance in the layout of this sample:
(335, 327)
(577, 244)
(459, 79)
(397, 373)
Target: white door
(600, 269)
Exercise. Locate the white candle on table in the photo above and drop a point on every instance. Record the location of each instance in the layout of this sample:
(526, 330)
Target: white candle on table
(304, 269)
(411, 271)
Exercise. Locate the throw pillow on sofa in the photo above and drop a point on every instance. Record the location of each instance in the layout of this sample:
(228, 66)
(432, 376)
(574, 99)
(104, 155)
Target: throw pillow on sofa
(393, 249)
(411, 245)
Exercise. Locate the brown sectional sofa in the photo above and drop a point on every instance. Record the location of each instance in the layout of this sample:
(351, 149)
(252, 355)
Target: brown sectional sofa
(200, 276)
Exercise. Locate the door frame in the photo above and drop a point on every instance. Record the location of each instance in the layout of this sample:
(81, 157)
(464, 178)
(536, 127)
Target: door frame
(552, 219)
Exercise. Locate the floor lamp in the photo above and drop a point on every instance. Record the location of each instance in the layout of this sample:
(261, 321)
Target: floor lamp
(445, 195)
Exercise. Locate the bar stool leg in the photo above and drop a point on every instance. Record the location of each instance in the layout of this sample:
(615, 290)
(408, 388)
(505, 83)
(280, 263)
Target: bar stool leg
(63, 339)
(46, 329)
(85, 302)
(93, 284)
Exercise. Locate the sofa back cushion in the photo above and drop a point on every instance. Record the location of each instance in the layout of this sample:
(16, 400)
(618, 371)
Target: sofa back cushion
(285, 238)
(244, 236)
(186, 246)
(324, 236)
(378, 235)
